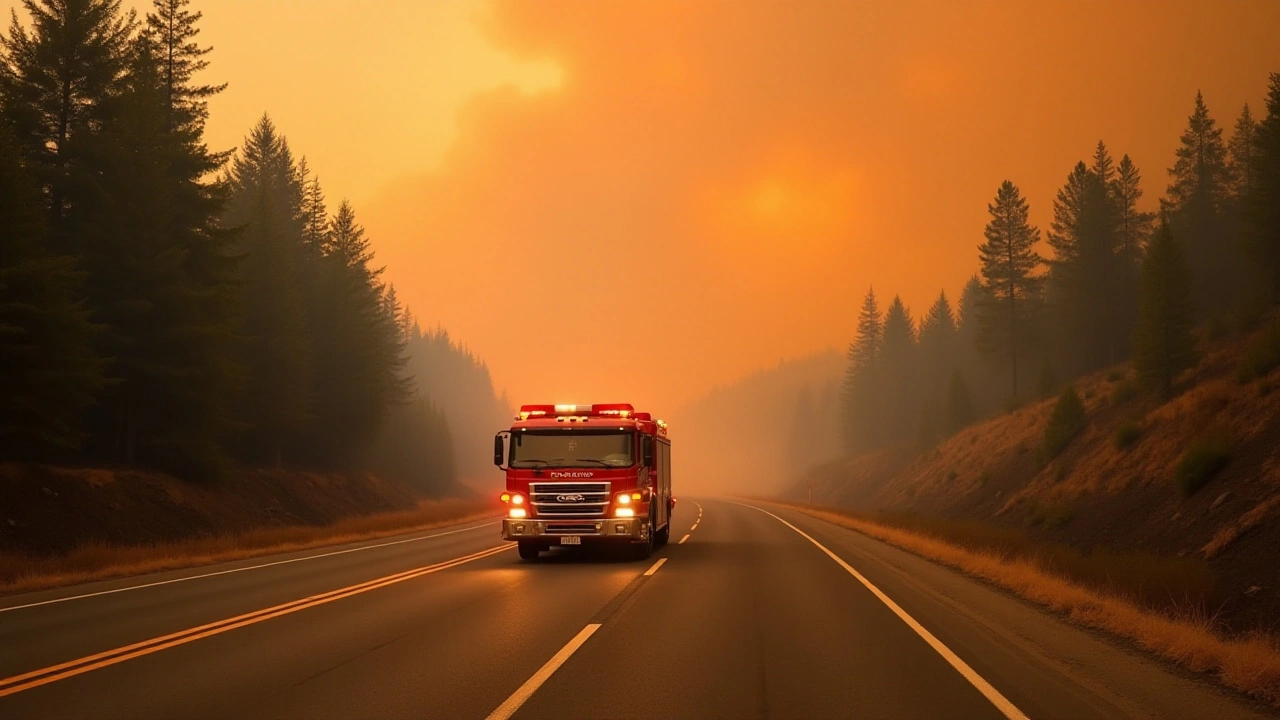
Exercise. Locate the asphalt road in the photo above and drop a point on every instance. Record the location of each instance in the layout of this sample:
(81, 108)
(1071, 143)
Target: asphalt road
(754, 615)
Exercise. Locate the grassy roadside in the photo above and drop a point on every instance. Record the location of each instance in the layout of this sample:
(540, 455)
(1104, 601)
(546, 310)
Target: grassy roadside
(99, 561)
(1248, 664)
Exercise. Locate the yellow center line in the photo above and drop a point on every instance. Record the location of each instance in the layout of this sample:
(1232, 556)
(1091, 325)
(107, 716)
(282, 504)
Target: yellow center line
(686, 537)
(34, 679)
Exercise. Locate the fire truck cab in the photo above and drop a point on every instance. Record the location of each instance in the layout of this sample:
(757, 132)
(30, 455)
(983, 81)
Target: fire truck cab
(585, 474)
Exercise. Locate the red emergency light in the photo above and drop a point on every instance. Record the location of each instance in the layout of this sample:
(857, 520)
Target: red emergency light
(606, 409)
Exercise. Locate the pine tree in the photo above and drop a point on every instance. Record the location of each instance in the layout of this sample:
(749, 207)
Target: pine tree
(162, 280)
(48, 370)
(1262, 206)
(972, 297)
(1164, 344)
(1133, 225)
(897, 394)
(58, 80)
(1196, 195)
(938, 343)
(1009, 265)
(858, 381)
(359, 351)
(939, 358)
(180, 58)
(315, 214)
(1086, 274)
(1242, 156)
(266, 205)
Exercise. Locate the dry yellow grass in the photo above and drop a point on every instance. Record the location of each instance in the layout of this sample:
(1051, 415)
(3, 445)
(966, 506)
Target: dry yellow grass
(1250, 665)
(98, 561)
(1230, 533)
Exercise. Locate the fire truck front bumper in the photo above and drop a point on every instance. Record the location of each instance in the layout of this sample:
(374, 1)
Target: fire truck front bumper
(577, 532)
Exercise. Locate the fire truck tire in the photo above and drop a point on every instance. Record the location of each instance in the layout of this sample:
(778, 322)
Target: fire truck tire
(528, 550)
(663, 536)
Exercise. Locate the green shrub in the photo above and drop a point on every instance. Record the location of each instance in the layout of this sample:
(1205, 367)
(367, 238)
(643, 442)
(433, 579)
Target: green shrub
(1262, 357)
(1065, 423)
(1202, 462)
(1126, 435)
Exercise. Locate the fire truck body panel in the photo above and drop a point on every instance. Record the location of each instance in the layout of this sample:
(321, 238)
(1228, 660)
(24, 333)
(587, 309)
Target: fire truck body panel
(578, 475)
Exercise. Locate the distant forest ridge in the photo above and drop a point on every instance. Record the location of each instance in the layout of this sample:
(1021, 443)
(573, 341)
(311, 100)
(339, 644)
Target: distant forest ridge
(164, 305)
(1119, 284)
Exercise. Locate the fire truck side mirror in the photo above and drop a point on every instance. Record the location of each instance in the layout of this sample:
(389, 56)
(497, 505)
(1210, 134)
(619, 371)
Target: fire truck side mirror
(646, 450)
(499, 450)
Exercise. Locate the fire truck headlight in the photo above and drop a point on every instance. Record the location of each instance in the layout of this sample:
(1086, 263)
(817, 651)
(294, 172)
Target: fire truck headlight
(624, 512)
(518, 512)
(517, 499)
(624, 498)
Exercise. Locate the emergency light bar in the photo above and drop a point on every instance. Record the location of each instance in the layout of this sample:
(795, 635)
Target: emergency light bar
(620, 410)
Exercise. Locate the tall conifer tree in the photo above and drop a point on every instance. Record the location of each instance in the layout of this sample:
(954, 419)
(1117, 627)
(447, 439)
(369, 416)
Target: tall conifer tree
(266, 202)
(1010, 273)
(61, 75)
(1165, 343)
(1262, 206)
(856, 391)
(1196, 196)
(48, 370)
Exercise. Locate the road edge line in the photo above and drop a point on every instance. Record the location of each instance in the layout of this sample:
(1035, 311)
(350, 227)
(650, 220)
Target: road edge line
(44, 676)
(530, 686)
(1008, 709)
(230, 571)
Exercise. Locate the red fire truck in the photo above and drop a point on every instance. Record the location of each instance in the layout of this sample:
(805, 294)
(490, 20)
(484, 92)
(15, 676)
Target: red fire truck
(585, 474)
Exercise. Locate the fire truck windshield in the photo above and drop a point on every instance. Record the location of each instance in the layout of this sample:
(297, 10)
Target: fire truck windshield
(572, 448)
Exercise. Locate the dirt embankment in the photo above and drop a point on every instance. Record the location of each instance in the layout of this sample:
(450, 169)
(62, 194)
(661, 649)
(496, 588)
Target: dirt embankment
(46, 510)
(1121, 485)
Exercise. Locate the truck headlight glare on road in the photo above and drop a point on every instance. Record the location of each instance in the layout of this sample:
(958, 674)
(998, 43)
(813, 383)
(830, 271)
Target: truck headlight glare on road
(624, 512)
(518, 512)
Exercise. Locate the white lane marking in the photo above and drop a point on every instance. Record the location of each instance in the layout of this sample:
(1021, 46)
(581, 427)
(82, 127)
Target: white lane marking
(1008, 709)
(236, 570)
(530, 686)
(686, 537)
(655, 567)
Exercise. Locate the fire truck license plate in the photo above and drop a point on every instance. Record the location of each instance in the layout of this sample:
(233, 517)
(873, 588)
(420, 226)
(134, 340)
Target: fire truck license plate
(570, 540)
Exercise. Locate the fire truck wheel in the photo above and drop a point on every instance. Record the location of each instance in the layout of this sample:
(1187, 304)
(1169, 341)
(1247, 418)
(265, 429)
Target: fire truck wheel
(663, 536)
(528, 550)
(644, 549)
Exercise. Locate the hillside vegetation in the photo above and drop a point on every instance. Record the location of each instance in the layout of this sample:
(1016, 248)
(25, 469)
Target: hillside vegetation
(1196, 477)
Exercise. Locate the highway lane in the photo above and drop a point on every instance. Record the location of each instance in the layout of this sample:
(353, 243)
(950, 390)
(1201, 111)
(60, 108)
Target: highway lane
(747, 618)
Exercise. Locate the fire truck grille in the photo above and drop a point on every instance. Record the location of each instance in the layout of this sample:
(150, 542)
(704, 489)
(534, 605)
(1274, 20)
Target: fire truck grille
(571, 528)
(570, 499)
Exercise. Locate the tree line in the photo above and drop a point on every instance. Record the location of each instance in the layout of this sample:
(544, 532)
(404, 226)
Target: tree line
(167, 305)
(1121, 283)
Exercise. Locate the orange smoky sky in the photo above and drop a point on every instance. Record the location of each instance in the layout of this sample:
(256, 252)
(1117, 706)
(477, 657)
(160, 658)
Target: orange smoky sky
(636, 201)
